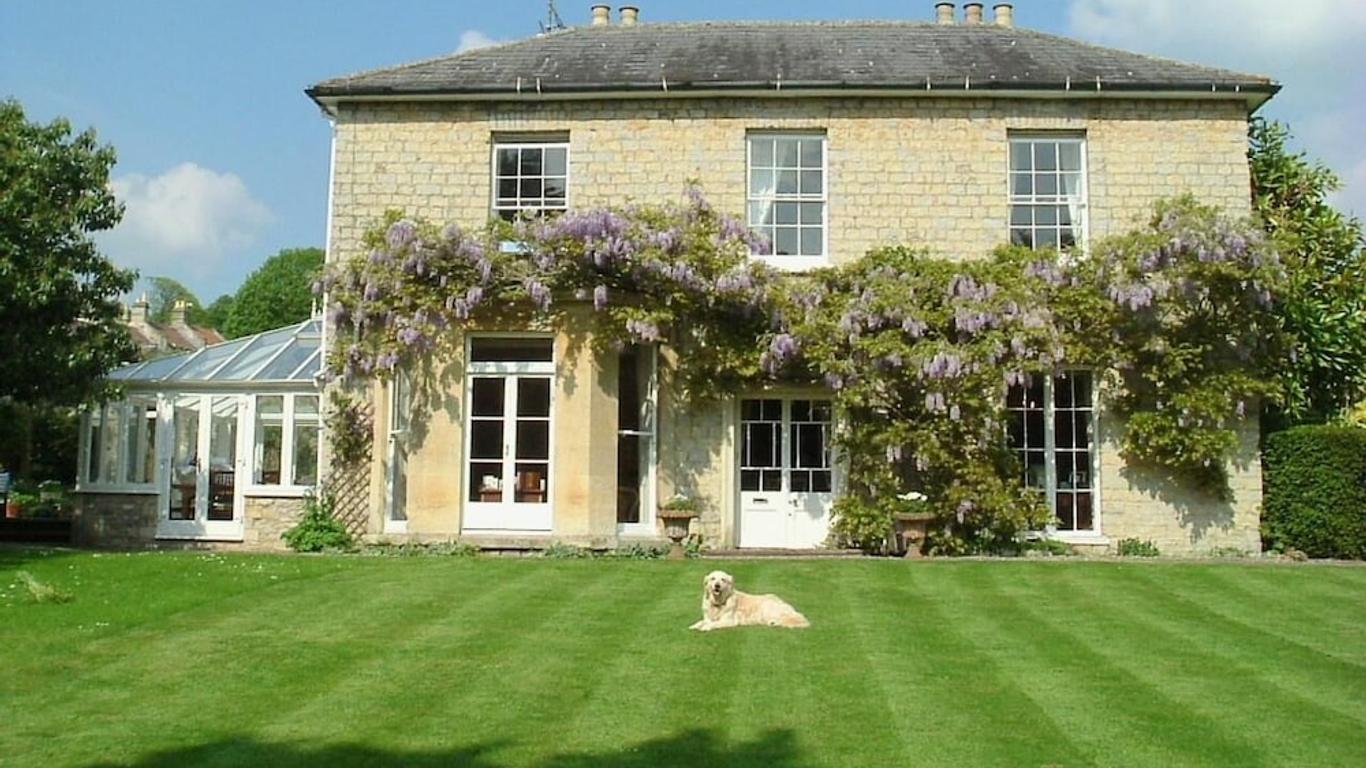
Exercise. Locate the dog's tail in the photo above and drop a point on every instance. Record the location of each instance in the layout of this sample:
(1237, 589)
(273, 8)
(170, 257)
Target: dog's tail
(794, 620)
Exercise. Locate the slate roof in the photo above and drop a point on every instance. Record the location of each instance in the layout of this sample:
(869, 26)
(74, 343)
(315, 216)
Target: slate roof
(789, 55)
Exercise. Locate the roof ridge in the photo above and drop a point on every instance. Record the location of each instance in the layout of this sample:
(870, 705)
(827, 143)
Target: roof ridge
(1141, 54)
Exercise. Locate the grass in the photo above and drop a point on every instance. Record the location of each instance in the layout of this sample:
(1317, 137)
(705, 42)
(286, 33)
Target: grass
(195, 659)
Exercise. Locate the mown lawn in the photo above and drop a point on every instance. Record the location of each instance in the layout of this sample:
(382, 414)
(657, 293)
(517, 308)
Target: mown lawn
(192, 659)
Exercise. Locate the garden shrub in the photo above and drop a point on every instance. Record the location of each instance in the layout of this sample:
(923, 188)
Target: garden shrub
(1136, 548)
(1315, 500)
(319, 530)
(42, 592)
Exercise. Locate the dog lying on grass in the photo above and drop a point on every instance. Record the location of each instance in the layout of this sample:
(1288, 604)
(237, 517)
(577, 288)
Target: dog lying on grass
(723, 606)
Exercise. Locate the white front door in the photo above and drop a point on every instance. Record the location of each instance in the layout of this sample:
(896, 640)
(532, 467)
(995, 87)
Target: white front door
(201, 499)
(786, 472)
(509, 453)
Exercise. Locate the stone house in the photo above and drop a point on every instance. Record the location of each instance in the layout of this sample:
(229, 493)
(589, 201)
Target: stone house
(177, 335)
(833, 138)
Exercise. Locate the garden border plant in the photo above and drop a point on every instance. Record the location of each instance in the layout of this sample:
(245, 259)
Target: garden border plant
(1176, 317)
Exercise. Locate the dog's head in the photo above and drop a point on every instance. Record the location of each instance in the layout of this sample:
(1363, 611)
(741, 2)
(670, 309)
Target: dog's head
(718, 586)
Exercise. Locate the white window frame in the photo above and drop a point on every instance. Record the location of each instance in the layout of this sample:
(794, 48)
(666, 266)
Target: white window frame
(791, 262)
(1083, 223)
(1095, 535)
(120, 484)
(288, 420)
(649, 505)
(400, 399)
(497, 210)
(507, 369)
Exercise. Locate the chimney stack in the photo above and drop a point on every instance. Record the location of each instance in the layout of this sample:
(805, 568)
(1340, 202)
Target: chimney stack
(629, 15)
(943, 13)
(1005, 14)
(972, 13)
(178, 310)
(601, 15)
(137, 313)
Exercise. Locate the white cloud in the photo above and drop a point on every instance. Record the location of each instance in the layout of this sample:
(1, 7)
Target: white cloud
(186, 222)
(1313, 47)
(472, 39)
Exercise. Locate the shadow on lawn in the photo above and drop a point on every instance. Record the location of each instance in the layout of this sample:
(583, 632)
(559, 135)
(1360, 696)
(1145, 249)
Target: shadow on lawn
(17, 556)
(697, 747)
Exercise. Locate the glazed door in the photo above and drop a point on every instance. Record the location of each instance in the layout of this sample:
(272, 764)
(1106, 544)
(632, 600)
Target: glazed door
(509, 453)
(200, 499)
(786, 476)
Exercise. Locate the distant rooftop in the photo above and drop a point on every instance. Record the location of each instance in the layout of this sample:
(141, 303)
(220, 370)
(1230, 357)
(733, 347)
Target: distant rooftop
(665, 59)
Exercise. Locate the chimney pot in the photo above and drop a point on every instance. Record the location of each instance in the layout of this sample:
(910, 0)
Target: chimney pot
(630, 14)
(602, 15)
(1005, 14)
(972, 13)
(943, 13)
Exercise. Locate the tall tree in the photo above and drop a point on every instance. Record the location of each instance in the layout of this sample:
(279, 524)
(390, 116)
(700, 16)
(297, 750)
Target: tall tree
(166, 291)
(60, 316)
(216, 314)
(279, 293)
(1324, 305)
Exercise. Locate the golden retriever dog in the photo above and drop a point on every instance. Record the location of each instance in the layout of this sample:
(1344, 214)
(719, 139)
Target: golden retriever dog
(723, 606)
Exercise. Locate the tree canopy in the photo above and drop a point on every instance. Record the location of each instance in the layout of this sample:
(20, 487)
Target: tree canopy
(278, 293)
(166, 291)
(1324, 301)
(60, 316)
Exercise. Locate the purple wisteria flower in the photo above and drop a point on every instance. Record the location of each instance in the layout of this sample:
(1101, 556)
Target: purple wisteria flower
(943, 366)
(400, 234)
(643, 330)
(538, 293)
(409, 336)
(600, 298)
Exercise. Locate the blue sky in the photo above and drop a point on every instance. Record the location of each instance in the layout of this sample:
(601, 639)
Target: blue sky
(223, 160)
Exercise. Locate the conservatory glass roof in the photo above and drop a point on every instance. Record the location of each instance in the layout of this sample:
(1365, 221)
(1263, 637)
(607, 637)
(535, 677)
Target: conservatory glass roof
(293, 353)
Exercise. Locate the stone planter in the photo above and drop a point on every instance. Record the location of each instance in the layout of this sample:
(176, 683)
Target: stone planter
(911, 531)
(676, 528)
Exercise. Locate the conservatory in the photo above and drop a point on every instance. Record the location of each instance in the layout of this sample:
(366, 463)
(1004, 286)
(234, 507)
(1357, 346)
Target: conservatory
(205, 445)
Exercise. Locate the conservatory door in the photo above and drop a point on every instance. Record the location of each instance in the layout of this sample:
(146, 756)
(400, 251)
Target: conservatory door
(786, 473)
(509, 453)
(201, 499)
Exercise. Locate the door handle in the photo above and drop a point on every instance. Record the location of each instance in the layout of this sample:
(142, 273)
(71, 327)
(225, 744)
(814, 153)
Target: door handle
(760, 500)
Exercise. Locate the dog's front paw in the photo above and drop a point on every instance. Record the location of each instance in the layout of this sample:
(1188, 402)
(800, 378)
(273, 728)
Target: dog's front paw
(699, 624)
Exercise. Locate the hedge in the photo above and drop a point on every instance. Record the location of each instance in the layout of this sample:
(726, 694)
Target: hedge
(1315, 491)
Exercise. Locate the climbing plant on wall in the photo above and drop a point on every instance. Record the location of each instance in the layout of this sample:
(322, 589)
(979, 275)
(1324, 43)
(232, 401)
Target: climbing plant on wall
(919, 351)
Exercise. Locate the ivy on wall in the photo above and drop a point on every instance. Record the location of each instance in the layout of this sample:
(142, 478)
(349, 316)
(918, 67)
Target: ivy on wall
(1177, 317)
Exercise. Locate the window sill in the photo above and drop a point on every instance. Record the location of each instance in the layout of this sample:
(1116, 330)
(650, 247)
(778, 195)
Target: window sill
(277, 491)
(1085, 538)
(793, 263)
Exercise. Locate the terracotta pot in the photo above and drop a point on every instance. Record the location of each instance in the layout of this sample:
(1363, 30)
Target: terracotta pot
(12, 509)
(912, 530)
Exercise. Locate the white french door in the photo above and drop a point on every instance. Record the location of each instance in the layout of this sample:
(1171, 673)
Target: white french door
(509, 453)
(200, 498)
(786, 472)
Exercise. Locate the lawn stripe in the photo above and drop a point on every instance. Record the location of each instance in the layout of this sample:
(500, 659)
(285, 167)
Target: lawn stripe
(1329, 683)
(1286, 610)
(1087, 678)
(1218, 677)
(957, 698)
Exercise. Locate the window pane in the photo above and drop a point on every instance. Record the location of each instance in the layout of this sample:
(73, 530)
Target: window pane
(1083, 512)
(1071, 185)
(269, 447)
(786, 213)
(533, 397)
(749, 480)
(555, 161)
(760, 213)
(530, 189)
(1021, 184)
(487, 397)
(533, 440)
(1021, 215)
(1069, 156)
(502, 349)
(1045, 156)
(811, 183)
(761, 153)
(507, 161)
(787, 153)
(531, 162)
(1081, 387)
(787, 182)
(184, 457)
(631, 461)
(270, 405)
(305, 406)
(486, 481)
(1065, 513)
(760, 182)
(785, 241)
(114, 418)
(812, 241)
(811, 153)
(772, 480)
(554, 191)
(305, 454)
(507, 191)
(222, 458)
(1046, 238)
(1022, 237)
(1020, 159)
(532, 483)
(1045, 215)
(821, 481)
(1046, 185)
(811, 213)
(801, 482)
(486, 439)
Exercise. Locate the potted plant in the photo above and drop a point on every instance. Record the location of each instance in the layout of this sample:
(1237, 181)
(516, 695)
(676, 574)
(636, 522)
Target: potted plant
(912, 522)
(676, 514)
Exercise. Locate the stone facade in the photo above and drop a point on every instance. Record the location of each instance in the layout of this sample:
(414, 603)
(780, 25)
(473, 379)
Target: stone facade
(115, 520)
(922, 171)
(267, 518)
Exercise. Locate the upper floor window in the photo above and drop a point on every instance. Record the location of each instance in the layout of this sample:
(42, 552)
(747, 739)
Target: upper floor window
(1048, 191)
(787, 194)
(530, 177)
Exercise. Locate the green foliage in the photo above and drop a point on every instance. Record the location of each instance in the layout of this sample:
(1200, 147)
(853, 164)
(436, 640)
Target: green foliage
(39, 441)
(350, 428)
(1323, 304)
(421, 549)
(60, 316)
(1315, 478)
(216, 314)
(637, 551)
(166, 293)
(1177, 318)
(558, 550)
(42, 592)
(680, 503)
(318, 530)
(1136, 548)
(278, 293)
(1045, 547)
